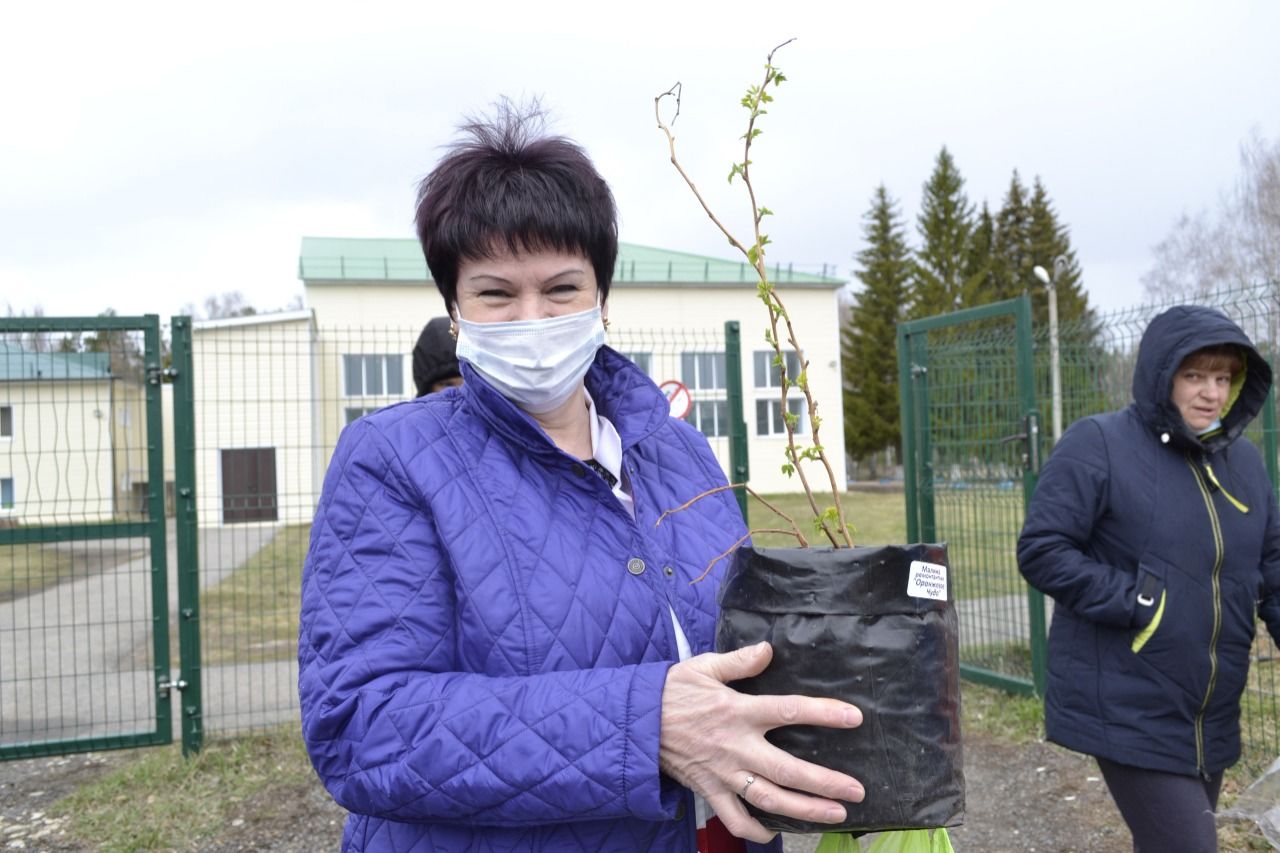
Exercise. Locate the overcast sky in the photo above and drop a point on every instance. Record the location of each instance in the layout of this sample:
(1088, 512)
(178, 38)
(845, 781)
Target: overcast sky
(151, 155)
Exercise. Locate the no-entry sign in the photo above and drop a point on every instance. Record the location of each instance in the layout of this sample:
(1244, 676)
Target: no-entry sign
(678, 398)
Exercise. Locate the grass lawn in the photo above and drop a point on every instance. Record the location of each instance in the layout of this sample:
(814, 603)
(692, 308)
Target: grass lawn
(253, 615)
(32, 567)
(160, 801)
(878, 518)
(28, 568)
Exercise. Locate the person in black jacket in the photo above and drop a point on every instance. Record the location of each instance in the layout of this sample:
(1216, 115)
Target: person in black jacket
(1156, 532)
(435, 360)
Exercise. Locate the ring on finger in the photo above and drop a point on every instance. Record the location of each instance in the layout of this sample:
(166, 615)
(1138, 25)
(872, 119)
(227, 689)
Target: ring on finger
(743, 793)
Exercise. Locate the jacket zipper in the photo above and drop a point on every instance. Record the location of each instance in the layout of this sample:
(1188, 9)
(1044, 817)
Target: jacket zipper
(1217, 614)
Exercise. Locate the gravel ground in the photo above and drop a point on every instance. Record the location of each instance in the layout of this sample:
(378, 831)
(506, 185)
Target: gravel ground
(1020, 798)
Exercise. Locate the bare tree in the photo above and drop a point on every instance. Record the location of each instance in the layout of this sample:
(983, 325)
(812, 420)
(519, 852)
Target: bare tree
(37, 341)
(1236, 246)
(217, 306)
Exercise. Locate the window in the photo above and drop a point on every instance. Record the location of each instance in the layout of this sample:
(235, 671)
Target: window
(373, 375)
(768, 378)
(6, 421)
(6, 493)
(354, 413)
(711, 417)
(767, 373)
(703, 374)
(702, 370)
(642, 360)
(769, 415)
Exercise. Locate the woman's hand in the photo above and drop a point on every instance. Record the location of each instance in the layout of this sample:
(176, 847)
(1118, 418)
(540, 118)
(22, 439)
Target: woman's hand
(713, 743)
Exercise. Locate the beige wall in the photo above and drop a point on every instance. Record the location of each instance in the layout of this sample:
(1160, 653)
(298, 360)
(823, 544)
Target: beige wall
(61, 456)
(282, 382)
(370, 306)
(814, 314)
(254, 388)
(379, 318)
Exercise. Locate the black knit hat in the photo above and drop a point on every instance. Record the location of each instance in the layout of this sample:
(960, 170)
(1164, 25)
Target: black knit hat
(433, 355)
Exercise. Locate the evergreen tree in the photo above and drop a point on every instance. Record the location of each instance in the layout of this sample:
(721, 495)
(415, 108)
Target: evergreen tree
(869, 340)
(1049, 240)
(1011, 260)
(978, 259)
(945, 224)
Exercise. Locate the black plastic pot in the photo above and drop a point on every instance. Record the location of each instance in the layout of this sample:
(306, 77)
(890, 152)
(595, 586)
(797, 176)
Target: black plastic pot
(872, 626)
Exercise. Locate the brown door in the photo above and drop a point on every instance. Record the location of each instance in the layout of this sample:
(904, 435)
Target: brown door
(249, 485)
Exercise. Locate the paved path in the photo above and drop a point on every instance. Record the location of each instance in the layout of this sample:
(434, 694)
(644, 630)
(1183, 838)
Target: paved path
(68, 667)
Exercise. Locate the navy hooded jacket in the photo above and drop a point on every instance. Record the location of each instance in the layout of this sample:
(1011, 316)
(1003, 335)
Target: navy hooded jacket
(1159, 548)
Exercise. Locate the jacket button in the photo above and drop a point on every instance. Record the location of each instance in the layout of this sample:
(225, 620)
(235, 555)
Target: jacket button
(670, 571)
(635, 565)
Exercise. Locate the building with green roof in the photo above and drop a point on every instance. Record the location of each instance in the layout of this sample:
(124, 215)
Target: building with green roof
(667, 311)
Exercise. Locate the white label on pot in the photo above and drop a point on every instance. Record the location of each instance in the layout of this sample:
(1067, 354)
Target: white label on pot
(927, 580)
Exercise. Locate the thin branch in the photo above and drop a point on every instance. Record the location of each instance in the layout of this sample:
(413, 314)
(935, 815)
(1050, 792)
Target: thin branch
(743, 538)
(756, 256)
(813, 426)
(795, 528)
(671, 143)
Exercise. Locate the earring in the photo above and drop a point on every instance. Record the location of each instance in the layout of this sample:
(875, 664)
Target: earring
(605, 322)
(453, 330)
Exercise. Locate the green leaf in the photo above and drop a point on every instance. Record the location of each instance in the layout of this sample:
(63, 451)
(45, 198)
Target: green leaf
(764, 211)
(789, 469)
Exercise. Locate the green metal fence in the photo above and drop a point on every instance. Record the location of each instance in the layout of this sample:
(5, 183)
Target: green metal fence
(84, 587)
(976, 438)
(102, 432)
(968, 414)
(271, 396)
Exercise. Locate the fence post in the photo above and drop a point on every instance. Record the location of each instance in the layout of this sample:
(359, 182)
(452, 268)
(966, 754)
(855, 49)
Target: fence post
(906, 415)
(1030, 475)
(184, 475)
(154, 416)
(738, 464)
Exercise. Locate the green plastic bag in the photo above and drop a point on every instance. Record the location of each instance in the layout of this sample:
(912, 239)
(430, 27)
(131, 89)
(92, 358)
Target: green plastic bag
(912, 841)
(838, 842)
(896, 841)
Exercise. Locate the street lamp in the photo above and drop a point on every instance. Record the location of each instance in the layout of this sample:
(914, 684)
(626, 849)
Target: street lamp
(1055, 361)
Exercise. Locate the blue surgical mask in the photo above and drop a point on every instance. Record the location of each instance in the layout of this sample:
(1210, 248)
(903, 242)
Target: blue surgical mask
(536, 364)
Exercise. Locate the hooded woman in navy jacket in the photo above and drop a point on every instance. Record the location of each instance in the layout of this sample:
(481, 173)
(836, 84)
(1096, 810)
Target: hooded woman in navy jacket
(1155, 531)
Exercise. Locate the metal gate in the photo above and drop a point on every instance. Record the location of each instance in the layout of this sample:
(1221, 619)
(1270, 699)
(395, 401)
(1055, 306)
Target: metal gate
(84, 559)
(971, 451)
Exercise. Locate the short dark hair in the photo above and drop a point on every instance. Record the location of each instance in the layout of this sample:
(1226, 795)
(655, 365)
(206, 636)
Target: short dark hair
(1216, 357)
(507, 182)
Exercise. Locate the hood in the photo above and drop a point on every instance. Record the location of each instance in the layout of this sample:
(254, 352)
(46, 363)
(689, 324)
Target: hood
(1170, 338)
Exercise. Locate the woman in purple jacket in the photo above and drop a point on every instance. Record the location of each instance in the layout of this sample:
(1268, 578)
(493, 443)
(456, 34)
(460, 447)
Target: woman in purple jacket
(500, 648)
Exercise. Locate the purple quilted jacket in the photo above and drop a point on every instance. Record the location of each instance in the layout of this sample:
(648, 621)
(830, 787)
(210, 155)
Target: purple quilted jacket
(486, 632)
